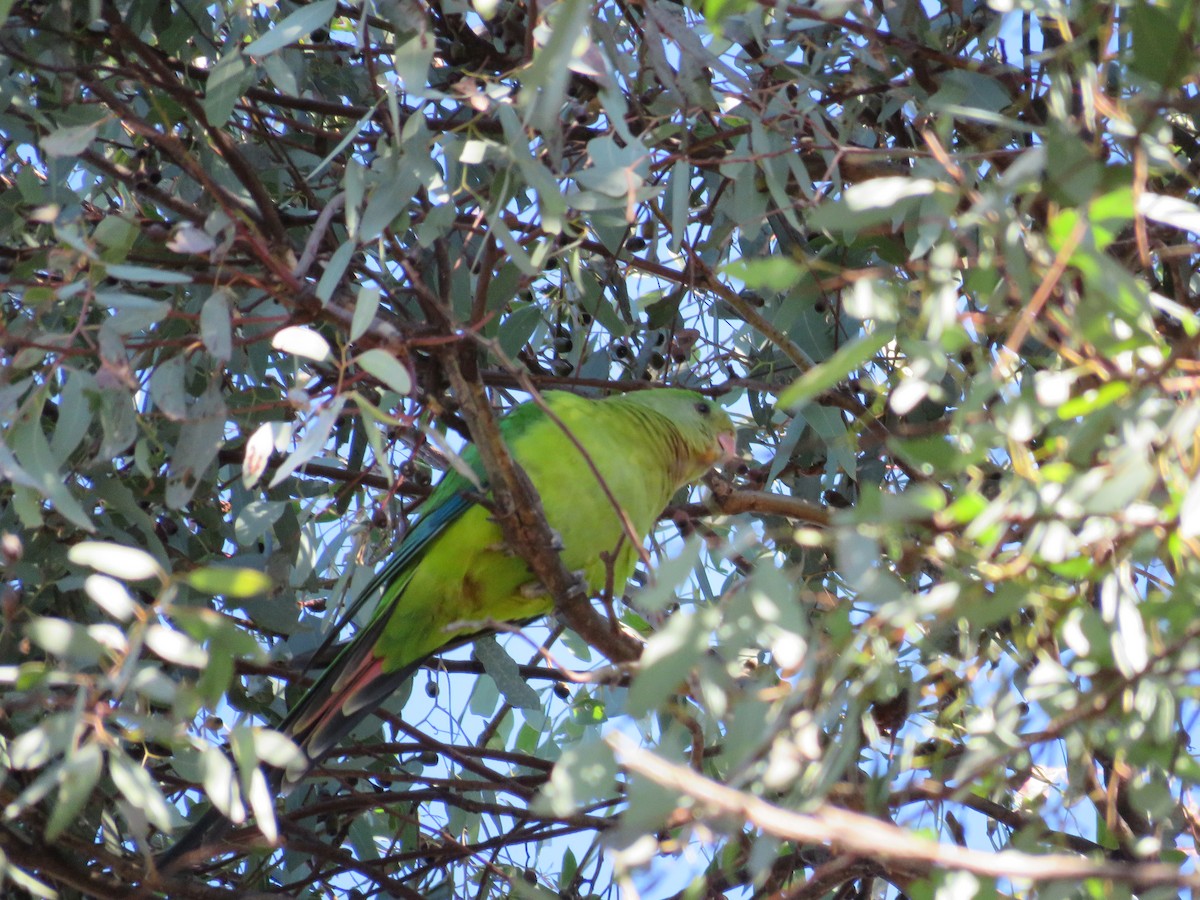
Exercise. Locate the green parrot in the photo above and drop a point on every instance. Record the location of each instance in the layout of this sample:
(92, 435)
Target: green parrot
(453, 567)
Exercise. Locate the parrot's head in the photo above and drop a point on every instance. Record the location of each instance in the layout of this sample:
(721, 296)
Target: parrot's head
(701, 432)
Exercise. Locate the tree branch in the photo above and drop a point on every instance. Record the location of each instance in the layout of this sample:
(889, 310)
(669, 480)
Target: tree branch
(869, 838)
(732, 502)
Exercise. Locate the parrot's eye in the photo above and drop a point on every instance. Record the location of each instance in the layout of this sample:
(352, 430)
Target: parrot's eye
(703, 408)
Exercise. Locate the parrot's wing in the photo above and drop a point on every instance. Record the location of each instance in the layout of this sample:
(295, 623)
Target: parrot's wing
(359, 678)
(354, 682)
(427, 528)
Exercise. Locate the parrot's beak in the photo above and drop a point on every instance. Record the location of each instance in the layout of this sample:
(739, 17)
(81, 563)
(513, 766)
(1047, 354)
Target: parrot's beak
(728, 444)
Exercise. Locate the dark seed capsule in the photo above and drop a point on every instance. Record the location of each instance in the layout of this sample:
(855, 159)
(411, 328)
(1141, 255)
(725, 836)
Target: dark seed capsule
(836, 499)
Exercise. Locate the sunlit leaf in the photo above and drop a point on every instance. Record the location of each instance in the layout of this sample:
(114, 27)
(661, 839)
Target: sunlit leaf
(387, 369)
(128, 563)
(135, 785)
(176, 647)
(229, 581)
(111, 596)
(300, 340)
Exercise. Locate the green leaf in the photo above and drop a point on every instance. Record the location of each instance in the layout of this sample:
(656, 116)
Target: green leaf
(848, 358)
(147, 275)
(1173, 211)
(75, 416)
(220, 786)
(269, 437)
(314, 439)
(615, 171)
(199, 440)
(874, 202)
(300, 340)
(69, 140)
(669, 658)
(387, 369)
(34, 748)
(216, 329)
(1094, 400)
(278, 750)
(135, 785)
(111, 596)
(504, 671)
(668, 576)
(365, 307)
(227, 82)
(127, 563)
(334, 270)
(411, 60)
(295, 27)
(775, 273)
(262, 802)
(166, 388)
(582, 775)
(255, 519)
(518, 327)
(33, 452)
(1161, 45)
(387, 202)
(176, 647)
(77, 780)
(11, 471)
(228, 581)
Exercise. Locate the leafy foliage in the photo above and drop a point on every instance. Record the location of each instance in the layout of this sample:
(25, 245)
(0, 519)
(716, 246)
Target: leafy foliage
(939, 261)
